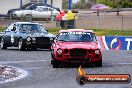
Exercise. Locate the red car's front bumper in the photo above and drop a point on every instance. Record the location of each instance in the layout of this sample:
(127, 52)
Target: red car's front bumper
(79, 55)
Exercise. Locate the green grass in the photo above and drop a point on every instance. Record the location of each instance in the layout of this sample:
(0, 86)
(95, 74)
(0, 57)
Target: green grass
(109, 32)
(54, 30)
(102, 32)
(2, 28)
(99, 32)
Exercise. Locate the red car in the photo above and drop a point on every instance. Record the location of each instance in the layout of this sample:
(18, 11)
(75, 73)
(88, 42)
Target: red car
(76, 46)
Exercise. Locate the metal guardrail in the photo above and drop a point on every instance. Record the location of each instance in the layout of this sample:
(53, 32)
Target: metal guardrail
(107, 10)
(126, 9)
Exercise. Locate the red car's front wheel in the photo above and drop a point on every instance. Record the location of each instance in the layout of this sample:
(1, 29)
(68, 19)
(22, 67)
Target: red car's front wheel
(55, 63)
(99, 63)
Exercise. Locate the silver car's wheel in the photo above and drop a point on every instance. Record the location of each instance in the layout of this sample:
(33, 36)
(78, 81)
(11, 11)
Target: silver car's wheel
(28, 17)
(2, 44)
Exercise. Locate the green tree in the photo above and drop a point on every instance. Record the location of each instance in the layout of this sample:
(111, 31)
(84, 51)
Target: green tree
(116, 3)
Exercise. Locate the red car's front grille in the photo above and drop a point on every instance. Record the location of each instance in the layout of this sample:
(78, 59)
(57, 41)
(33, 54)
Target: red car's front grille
(42, 40)
(78, 52)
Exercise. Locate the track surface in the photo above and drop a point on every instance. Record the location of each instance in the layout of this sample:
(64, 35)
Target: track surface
(42, 75)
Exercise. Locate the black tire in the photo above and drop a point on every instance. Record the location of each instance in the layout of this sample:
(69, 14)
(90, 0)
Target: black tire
(34, 48)
(2, 44)
(20, 45)
(49, 48)
(10, 13)
(28, 49)
(28, 17)
(52, 54)
(55, 63)
(99, 63)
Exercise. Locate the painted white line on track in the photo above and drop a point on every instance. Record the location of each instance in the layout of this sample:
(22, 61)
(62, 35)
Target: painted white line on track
(28, 61)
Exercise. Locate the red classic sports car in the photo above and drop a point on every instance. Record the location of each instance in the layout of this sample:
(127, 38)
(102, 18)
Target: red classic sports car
(76, 46)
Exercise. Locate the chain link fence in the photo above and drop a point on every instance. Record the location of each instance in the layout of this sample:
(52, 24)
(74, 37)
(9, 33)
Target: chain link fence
(104, 21)
(87, 21)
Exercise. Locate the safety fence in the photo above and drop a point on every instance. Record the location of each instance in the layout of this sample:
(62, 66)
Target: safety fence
(104, 21)
(86, 21)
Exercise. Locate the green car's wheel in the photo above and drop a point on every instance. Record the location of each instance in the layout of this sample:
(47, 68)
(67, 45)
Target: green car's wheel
(20, 45)
(2, 44)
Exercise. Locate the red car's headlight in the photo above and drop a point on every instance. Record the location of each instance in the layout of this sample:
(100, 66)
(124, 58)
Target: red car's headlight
(29, 39)
(59, 51)
(97, 51)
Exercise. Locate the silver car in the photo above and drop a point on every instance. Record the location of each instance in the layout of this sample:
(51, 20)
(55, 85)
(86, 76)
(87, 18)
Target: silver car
(39, 12)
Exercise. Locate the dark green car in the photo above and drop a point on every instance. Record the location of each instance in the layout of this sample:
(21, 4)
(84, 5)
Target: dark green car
(26, 36)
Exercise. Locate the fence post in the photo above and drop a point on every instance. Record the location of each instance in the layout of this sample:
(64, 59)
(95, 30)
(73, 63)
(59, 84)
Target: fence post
(10, 17)
(97, 18)
(118, 11)
(52, 18)
(122, 21)
(21, 4)
(97, 22)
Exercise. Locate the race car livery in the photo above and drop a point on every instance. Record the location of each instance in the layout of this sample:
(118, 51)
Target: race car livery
(26, 36)
(76, 46)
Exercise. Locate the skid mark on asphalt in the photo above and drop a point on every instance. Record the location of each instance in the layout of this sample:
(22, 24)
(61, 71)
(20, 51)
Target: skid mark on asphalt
(28, 61)
(18, 74)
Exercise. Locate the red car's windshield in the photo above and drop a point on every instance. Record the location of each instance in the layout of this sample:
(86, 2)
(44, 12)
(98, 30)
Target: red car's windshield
(76, 37)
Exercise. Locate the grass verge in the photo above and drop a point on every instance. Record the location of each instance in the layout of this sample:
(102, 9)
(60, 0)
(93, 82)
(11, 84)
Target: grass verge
(99, 32)
(2, 28)
(102, 32)
(109, 32)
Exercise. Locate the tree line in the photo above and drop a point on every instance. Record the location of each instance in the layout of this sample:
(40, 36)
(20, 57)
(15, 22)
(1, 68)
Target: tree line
(86, 4)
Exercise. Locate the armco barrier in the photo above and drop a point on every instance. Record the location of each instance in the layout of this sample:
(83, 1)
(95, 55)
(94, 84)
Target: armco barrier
(115, 42)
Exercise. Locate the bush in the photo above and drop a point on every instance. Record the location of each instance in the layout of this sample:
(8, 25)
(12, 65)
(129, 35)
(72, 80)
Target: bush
(2, 28)
(111, 3)
(65, 5)
(108, 3)
(80, 5)
(125, 4)
(116, 3)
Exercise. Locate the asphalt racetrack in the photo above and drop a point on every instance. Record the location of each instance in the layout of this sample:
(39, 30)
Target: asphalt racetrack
(41, 74)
